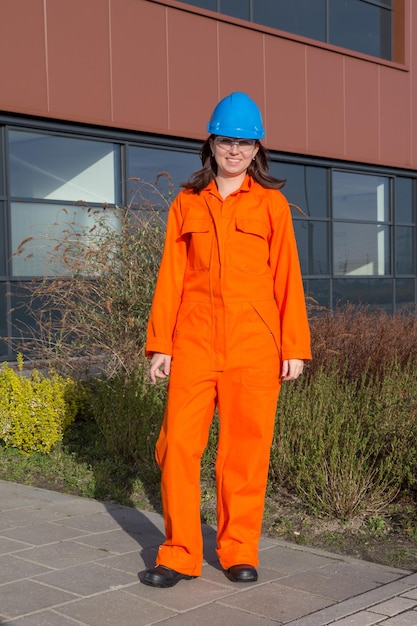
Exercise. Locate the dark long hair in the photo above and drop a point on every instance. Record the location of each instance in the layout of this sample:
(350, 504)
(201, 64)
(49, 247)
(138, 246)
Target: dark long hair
(258, 169)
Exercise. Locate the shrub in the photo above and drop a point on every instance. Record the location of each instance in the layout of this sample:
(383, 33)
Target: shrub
(360, 340)
(35, 411)
(347, 446)
(96, 309)
(128, 410)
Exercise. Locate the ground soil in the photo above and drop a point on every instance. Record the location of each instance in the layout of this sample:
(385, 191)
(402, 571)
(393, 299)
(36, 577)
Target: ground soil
(388, 537)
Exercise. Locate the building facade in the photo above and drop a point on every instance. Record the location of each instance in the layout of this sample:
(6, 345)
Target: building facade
(95, 94)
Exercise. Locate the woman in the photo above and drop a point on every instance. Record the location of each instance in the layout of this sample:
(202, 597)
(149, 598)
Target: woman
(228, 324)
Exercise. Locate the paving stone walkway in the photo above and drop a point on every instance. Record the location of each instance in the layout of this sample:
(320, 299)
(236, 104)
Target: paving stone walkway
(66, 560)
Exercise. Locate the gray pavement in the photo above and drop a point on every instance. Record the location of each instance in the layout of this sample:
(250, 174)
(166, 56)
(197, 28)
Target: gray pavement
(66, 560)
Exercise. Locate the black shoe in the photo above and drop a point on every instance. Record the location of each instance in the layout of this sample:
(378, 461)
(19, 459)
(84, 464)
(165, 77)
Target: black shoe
(242, 574)
(161, 576)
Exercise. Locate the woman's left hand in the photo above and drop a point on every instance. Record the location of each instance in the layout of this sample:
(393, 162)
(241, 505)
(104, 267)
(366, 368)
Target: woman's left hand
(292, 369)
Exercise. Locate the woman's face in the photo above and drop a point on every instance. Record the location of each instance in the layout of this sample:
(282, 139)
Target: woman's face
(233, 156)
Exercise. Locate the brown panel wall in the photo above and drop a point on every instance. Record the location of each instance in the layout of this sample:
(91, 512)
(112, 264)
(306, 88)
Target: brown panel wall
(362, 94)
(192, 71)
(395, 116)
(79, 79)
(161, 66)
(240, 64)
(286, 79)
(139, 52)
(325, 102)
(23, 79)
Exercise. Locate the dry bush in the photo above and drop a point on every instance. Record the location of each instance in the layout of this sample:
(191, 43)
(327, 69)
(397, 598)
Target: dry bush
(94, 312)
(361, 340)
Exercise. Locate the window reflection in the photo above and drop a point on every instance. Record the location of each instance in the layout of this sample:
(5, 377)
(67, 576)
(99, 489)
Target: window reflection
(360, 197)
(49, 167)
(360, 249)
(45, 226)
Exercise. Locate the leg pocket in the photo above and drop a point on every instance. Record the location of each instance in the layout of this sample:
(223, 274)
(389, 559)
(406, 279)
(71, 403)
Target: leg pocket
(261, 358)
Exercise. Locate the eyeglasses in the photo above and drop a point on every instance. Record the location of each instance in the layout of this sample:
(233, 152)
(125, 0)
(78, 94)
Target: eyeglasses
(243, 144)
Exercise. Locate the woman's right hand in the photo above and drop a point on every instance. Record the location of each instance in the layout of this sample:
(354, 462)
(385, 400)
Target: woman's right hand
(160, 366)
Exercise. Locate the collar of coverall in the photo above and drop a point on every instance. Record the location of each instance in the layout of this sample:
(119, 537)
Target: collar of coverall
(245, 186)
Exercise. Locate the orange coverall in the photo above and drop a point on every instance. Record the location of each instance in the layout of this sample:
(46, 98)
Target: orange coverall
(228, 306)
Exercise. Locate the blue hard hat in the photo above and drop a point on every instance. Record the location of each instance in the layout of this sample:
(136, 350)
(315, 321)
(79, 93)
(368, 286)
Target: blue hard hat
(238, 116)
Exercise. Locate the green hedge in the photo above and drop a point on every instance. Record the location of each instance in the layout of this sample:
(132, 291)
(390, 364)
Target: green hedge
(35, 411)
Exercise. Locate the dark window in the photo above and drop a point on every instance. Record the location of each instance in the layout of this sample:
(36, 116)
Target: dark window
(375, 292)
(21, 304)
(318, 293)
(3, 229)
(305, 186)
(405, 293)
(306, 191)
(404, 200)
(362, 25)
(236, 8)
(313, 246)
(4, 330)
(3, 240)
(1, 162)
(153, 171)
(301, 17)
(212, 5)
(404, 250)
(316, 185)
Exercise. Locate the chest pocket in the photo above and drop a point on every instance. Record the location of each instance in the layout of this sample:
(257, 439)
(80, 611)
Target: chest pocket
(249, 249)
(199, 232)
